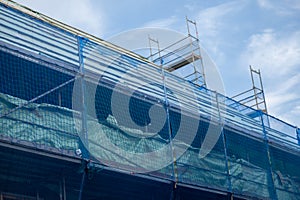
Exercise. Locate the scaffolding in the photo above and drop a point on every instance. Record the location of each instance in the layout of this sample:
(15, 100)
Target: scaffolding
(182, 57)
(39, 139)
(254, 97)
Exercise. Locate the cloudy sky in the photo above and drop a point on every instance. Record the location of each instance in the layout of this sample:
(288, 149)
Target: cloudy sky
(236, 34)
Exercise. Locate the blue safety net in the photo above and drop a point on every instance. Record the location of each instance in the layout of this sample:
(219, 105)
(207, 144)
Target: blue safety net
(67, 92)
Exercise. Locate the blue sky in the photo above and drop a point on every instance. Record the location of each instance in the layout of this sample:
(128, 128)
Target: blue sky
(236, 34)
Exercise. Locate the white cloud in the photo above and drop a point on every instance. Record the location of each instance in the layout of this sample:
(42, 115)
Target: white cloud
(265, 4)
(77, 13)
(162, 23)
(284, 100)
(189, 7)
(211, 19)
(284, 92)
(286, 7)
(284, 107)
(277, 55)
(213, 22)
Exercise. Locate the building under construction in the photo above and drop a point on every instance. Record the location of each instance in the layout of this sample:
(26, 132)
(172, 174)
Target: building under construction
(77, 115)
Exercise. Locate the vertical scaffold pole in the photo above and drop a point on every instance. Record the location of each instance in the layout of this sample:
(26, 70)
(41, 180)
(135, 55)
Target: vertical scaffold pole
(83, 144)
(254, 86)
(152, 40)
(62, 189)
(260, 88)
(271, 184)
(150, 47)
(202, 72)
(227, 164)
(82, 184)
(84, 137)
(174, 167)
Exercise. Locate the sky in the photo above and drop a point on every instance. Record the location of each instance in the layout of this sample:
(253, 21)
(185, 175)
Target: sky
(262, 33)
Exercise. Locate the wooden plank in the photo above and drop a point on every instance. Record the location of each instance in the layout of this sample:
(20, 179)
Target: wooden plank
(183, 62)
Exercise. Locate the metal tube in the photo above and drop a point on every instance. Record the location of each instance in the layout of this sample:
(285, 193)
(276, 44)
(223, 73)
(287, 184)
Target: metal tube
(241, 93)
(81, 185)
(227, 164)
(85, 153)
(60, 191)
(64, 189)
(38, 97)
(271, 187)
(253, 85)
